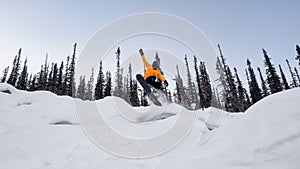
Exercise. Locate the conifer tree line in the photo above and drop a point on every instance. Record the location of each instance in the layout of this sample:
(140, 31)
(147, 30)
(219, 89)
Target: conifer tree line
(235, 98)
(195, 92)
(57, 78)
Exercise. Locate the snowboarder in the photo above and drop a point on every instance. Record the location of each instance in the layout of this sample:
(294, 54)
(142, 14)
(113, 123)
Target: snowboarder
(152, 77)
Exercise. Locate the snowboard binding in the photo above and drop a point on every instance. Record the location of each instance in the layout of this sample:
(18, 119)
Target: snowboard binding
(157, 96)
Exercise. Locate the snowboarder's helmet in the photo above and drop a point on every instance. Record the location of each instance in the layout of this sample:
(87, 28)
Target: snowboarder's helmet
(155, 65)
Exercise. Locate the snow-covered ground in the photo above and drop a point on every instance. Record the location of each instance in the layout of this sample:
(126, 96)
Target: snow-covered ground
(42, 130)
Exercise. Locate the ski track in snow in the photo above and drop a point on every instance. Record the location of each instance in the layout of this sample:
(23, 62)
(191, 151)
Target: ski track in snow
(279, 143)
(41, 130)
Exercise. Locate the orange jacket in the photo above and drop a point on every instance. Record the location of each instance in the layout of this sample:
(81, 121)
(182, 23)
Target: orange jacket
(150, 71)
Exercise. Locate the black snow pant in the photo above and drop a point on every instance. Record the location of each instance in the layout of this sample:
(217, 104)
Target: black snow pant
(153, 81)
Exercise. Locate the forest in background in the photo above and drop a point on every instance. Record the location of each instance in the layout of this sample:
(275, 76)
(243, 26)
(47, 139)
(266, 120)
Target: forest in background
(196, 92)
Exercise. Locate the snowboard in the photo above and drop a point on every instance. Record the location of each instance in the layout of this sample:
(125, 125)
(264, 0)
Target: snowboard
(148, 90)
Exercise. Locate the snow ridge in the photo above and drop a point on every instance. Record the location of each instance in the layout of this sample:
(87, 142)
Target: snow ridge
(41, 130)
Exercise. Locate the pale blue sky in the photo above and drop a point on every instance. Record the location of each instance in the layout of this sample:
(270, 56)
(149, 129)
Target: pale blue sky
(241, 27)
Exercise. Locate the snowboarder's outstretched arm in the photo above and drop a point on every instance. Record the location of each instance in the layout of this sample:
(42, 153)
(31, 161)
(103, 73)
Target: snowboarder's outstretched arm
(146, 63)
(152, 72)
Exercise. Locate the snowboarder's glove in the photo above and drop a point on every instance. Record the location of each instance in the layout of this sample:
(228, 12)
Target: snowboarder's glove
(166, 83)
(141, 52)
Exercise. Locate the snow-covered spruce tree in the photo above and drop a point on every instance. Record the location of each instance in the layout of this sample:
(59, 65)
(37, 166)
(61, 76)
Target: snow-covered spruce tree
(144, 101)
(133, 91)
(49, 80)
(175, 98)
(22, 82)
(247, 76)
(69, 77)
(284, 81)
(298, 54)
(190, 98)
(272, 77)
(52, 80)
(126, 87)
(5, 72)
(54, 83)
(214, 99)
(134, 99)
(229, 91)
(248, 101)
(293, 75)
(71, 86)
(13, 77)
(221, 70)
(219, 99)
(177, 95)
(28, 82)
(247, 96)
(242, 102)
(169, 96)
(33, 83)
(43, 75)
(255, 91)
(231, 103)
(60, 80)
(119, 77)
(99, 89)
(66, 82)
(89, 87)
(297, 74)
(265, 91)
(81, 88)
(179, 88)
(195, 94)
(222, 85)
(198, 83)
(205, 86)
(122, 86)
(107, 87)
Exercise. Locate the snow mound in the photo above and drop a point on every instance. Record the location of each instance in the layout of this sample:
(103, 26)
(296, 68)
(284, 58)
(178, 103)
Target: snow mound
(7, 89)
(41, 130)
